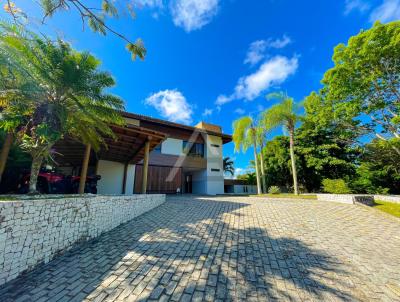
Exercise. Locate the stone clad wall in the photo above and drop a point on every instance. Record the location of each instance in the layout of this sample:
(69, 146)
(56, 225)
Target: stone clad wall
(35, 231)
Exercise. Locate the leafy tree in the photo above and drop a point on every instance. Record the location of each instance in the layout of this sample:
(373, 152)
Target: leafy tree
(364, 84)
(250, 178)
(284, 114)
(95, 16)
(379, 171)
(63, 93)
(277, 161)
(244, 136)
(228, 166)
(325, 148)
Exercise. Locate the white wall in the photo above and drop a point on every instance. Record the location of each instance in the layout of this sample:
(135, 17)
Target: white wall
(215, 179)
(240, 189)
(112, 176)
(130, 180)
(172, 146)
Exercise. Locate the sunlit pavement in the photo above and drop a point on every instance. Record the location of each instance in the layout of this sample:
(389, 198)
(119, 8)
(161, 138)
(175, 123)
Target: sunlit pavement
(229, 248)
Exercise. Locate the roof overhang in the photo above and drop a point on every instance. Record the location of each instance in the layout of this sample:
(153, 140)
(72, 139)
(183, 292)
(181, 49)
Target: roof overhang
(226, 138)
(127, 147)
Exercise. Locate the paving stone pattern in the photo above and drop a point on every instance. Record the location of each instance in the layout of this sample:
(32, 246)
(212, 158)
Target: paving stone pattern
(229, 248)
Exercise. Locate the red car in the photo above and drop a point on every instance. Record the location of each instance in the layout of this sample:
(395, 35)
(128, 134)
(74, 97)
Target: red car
(51, 182)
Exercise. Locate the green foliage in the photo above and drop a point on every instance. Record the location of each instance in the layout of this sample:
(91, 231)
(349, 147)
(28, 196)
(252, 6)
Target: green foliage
(325, 148)
(379, 171)
(51, 90)
(335, 186)
(283, 113)
(250, 178)
(244, 133)
(366, 80)
(277, 162)
(274, 190)
(95, 16)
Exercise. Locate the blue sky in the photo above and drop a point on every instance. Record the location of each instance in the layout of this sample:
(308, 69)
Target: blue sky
(215, 60)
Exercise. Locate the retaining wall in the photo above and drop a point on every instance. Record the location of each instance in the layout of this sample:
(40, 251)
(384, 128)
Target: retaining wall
(347, 198)
(35, 231)
(388, 198)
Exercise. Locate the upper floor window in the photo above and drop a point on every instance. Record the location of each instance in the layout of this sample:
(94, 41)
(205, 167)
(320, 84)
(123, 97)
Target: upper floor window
(214, 145)
(193, 149)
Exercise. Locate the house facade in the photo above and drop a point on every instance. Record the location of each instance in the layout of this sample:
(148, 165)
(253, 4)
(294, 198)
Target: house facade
(186, 160)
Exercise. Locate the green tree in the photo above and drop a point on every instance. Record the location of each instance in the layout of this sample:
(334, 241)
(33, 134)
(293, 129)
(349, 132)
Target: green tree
(325, 148)
(250, 178)
(284, 114)
(63, 93)
(277, 161)
(96, 16)
(244, 136)
(365, 81)
(228, 165)
(379, 170)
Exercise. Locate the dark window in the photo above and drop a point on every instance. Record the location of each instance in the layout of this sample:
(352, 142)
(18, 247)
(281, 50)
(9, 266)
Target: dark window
(214, 145)
(215, 170)
(193, 149)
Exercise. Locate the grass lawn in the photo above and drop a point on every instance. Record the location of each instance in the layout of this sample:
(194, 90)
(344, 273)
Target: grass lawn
(288, 195)
(388, 207)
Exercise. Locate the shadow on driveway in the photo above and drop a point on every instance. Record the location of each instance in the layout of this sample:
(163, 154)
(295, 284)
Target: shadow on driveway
(188, 248)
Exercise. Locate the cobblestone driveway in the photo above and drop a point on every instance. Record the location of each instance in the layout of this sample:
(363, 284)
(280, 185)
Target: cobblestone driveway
(229, 248)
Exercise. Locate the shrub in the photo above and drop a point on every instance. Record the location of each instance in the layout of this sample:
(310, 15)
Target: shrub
(274, 190)
(335, 186)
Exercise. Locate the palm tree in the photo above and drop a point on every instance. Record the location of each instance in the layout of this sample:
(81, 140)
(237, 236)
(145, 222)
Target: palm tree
(228, 165)
(63, 92)
(245, 135)
(261, 139)
(284, 114)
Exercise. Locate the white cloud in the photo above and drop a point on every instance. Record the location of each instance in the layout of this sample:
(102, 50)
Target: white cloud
(149, 3)
(223, 99)
(239, 111)
(273, 72)
(388, 11)
(172, 105)
(193, 14)
(256, 51)
(359, 5)
(279, 43)
(207, 112)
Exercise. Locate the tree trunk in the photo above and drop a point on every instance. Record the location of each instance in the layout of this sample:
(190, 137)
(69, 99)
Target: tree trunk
(85, 163)
(4, 153)
(35, 169)
(257, 169)
(293, 159)
(265, 189)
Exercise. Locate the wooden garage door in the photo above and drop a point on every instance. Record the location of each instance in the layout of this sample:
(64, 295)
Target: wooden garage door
(159, 179)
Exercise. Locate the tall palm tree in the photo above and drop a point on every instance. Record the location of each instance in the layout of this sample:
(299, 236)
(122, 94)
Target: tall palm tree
(244, 136)
(284, 113)
(261, 140)
(63, 92)
(228, 165)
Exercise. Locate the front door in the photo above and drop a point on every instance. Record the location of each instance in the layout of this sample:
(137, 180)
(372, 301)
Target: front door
(188, 184)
